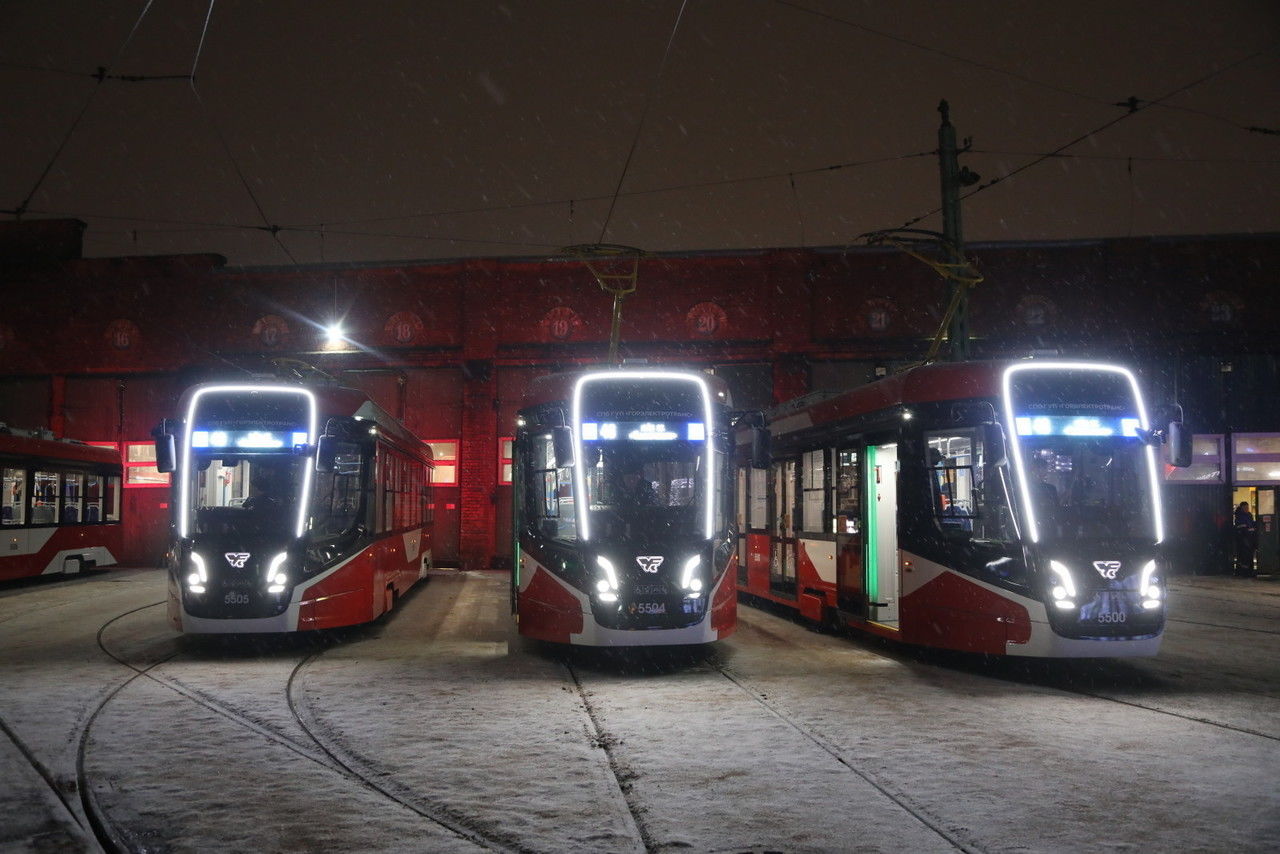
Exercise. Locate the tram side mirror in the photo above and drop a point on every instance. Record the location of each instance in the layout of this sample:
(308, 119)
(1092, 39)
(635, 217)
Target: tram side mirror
(993, 444)
(1178, 441)
(326, 454)
(166, 448)
(562, 442)
(761, 452)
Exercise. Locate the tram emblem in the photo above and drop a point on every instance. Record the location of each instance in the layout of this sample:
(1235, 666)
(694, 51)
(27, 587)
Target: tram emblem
(237, 559)
(649, 563)
(1107, 568)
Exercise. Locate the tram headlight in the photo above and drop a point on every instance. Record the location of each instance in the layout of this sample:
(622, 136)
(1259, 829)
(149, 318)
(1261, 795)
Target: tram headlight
(1149, 586)
(199, 577)
(688, 580)
(276, 577)
(1064, 592)
(607, 587)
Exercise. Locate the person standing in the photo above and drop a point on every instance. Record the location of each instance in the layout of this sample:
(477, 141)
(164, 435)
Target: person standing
(1246, 530)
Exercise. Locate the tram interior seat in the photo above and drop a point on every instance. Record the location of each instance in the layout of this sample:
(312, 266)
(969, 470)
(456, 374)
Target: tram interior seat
(93, 514)
(41, 514)
(6, 514)
(70, 514)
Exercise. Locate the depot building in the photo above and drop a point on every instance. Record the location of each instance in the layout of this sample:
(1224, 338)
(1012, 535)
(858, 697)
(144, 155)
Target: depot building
(100, 349)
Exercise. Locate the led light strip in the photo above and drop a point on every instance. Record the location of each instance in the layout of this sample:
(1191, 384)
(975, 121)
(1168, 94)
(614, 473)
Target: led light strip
(1024, 486)
(579, 476)
(184, 484)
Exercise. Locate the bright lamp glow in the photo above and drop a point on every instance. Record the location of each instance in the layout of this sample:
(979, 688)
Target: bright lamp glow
(198, 577)
(1064, 578)
(334, 334)
(690, 566)
(276, 580)
(611, 574)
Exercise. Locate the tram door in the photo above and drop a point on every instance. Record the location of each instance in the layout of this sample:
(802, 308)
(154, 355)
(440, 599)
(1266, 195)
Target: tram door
(782, 561)
(882, 563)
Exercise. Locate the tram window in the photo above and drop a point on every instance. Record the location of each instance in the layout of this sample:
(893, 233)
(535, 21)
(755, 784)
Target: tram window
(337, 493)
(964, 505)
(759, 498)
(845, 505)
(549, 492)
(44, 499)
(813, 489)
(111, 500)
(14, 509)
(72, 484)
(93, 498)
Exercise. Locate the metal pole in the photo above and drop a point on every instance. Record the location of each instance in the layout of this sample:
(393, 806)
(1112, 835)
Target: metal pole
(953, 238)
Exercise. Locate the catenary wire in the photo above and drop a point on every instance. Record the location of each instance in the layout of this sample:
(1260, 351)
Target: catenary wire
(648, 103)
(93, 93)
(1135, 108)
(995, 69)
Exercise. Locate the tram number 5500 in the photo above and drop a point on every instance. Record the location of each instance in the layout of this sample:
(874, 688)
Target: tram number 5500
(1112, 617)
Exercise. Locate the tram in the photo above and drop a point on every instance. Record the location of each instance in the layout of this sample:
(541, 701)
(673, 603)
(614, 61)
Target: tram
(1005, 508)
(623, 509)
(60, 510)
(295, 507)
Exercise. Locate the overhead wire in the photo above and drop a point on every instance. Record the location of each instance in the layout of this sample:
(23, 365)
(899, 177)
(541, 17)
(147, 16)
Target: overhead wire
(66, 138)
(1135, 109)
(995, 69)
(267, 226)
(648, 103)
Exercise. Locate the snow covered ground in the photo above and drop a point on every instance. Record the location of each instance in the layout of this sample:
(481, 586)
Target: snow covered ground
(437, 730)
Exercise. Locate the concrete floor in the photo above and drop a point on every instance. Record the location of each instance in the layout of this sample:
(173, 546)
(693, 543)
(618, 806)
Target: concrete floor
(436, 729)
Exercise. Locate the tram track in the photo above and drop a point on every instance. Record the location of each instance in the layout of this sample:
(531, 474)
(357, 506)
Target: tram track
(320, 751)
(347, 765)
(622, 777)
(903, 802)
(1182, 715)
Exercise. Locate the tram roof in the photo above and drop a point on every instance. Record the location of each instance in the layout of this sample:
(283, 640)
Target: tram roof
(559, 387)
(34, 444)
(331, 401)
(922, 384)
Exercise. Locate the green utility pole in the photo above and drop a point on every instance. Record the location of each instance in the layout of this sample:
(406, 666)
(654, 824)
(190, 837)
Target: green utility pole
(954, 177)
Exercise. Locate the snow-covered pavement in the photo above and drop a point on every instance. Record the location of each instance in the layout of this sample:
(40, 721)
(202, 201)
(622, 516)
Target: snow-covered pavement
(437, 730)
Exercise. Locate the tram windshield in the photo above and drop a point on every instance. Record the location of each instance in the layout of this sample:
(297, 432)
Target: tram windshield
(645, 453)
(245, 494)
(639, 491)
(1086, 470)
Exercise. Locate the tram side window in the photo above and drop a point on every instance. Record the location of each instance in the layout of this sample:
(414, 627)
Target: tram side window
(14, 509)
(337, 493)
(549, 492)
(93, 498)
(72, 485)
(759, 498)
(44, 499)
(964, 504)
(813, 474)
(845, 501)
(111, 500)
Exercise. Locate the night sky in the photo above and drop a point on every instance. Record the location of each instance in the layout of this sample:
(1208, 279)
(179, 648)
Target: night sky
(370, 131)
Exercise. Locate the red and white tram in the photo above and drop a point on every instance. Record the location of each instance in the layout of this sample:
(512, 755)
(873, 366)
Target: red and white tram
(295, 507)
(60, 511)
(1002, 508)
(623, 509)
